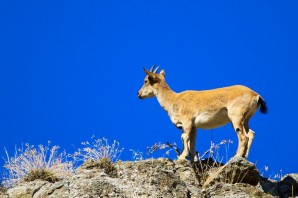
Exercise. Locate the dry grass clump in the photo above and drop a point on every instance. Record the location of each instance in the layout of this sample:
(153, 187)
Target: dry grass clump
(40, 162)
(204, 167)
(99, 153)
(107, 166)
(98, 149)
(166, 148)
(104, 164)
(206, 163)
(41, 174)
(211, 160)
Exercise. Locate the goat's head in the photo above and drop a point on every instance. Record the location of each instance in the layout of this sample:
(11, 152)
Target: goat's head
(151, 82)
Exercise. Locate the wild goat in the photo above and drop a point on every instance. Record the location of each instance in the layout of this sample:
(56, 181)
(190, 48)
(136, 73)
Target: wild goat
(208, 109)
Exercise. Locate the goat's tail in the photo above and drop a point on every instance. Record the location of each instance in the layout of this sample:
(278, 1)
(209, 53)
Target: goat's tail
(263, 106)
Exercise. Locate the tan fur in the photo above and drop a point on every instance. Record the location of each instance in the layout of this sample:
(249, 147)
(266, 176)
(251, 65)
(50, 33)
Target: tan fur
(205, 109)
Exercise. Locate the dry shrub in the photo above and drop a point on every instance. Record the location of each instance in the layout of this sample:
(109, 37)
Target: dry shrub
(204, 166)
(98, 149)
(41, 174)
(104, 164)
(107, 166)
(31, 163)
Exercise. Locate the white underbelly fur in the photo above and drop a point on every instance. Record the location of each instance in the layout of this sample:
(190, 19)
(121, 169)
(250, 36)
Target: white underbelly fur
(207, 120)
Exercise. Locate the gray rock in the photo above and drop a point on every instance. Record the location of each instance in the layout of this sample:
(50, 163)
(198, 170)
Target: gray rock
(288, 186)
(154, 178)
(160, 177)
(148, 178)
(57, 189)
(268, 186)
(237, 170)
(239, 190)
(25, 190)
(3, 195)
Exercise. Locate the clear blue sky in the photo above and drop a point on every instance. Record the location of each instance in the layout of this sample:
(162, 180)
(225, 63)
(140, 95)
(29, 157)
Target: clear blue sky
(71, 69)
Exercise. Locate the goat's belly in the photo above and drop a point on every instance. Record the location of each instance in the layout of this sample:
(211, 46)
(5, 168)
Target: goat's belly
(209, 120)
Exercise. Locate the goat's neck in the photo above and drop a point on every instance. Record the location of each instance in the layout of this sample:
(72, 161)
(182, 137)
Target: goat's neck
(165, 96)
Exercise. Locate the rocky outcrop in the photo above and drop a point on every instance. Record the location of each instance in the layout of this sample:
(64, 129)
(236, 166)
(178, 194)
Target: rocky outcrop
(149, 178)
(237, 170)
(288, 186)
(268, 186)
(155, 178)
(238, 190)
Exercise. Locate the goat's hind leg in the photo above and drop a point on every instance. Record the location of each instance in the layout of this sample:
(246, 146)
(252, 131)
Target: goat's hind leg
(242, 137)
(250, 135)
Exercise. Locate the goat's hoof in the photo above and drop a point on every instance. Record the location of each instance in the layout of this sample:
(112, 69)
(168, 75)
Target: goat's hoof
(195, 159)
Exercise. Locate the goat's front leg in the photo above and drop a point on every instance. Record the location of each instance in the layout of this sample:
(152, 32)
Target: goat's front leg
(186, 143)
(192, 145)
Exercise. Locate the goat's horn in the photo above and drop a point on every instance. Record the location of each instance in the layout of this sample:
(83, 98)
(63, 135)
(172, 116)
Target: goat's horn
(156, 69)
(151, 70)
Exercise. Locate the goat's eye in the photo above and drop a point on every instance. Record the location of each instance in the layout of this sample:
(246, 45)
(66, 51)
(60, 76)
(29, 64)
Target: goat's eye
(146, 81)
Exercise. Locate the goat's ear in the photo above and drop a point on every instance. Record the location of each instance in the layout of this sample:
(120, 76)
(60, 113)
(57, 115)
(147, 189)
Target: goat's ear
(162, 72)
(152, 76)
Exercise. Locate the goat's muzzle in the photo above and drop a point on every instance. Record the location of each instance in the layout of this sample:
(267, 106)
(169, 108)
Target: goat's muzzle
(139, 95)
